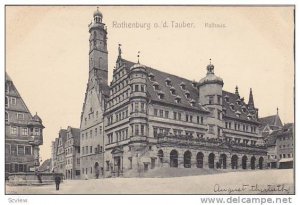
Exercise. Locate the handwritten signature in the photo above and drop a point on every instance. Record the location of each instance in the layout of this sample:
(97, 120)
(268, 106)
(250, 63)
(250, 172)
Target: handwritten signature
(263, 189)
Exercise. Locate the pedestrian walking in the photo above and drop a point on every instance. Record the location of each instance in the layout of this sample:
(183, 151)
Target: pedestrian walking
(57, 181)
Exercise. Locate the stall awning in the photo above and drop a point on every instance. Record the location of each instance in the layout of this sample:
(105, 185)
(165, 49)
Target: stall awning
(286, 160)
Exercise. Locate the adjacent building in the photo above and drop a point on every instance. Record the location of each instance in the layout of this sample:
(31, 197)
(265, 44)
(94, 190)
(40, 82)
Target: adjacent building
(23, 132)
(280, 144)
(147, 118)
(66, 153)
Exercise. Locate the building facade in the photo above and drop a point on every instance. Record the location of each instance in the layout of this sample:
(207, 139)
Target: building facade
(23, 133)
(72, 153)
(91, 123)
(147, 118)
(280, 144)
(66, 153)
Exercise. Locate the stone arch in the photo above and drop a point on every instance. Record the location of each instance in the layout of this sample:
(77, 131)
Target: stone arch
(260, 162)
(253, 159)
(234, 161)
(174, 158)
(244, 162)
(199, 159)
(211, 160)
(187, 159)
(223, 161)
(160, 155)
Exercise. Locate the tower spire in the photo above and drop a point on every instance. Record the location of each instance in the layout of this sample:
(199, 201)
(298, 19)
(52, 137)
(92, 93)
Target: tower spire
(277, 111)
(237, 90)
(138, 56)
(210, 68)
(251, 101)
(120, 51)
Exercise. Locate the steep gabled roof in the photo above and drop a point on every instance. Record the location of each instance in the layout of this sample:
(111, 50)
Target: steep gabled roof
(159, 78)
(273, 120)
(230, 99)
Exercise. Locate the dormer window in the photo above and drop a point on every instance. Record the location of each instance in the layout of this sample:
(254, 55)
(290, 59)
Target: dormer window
(151, 76)
(155, 85)
(244, 109)
(187, 94)
(172, 90)
(226, 98)
(238, 113)
(238, 101)
(192, 102)
(177, 99)
(182, 85)
(232, 106)
(168, 81)
(161, 95)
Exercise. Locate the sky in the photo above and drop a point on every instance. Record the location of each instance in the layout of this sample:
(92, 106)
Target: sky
(47, 53)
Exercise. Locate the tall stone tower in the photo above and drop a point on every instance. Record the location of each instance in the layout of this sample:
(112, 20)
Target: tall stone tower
(210, 96)
(98, 49)
(91, 125)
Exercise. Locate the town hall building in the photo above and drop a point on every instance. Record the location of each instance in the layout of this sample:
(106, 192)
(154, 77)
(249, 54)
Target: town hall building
(146, 118)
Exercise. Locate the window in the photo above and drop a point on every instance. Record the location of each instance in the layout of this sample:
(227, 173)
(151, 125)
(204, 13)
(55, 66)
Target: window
(37, 131)
(175, 115)
(143, 107)
(155, 131)
(13, 101)
(27, 150)
(136, 106)
(210, 100)
(191, 118)
(142, 88)
(136, 88)
(179, 116)
(166, 114)
(13, 130)
(219, 100)
(186, 118)
(219, 115)
(211, 129)
(6, 88)
(21, 150)
(7, 149)
(6, 102)
(91, 149)
(6, 116)
(161, 113)
(20, 116)
(13, 149)
(24, 131)
(136, 129)
(142, 130)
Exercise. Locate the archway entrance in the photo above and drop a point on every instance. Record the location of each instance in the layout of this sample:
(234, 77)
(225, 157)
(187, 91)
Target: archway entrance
(187, 159)
(223, 161)
(160, 155)
(261, 162)
(97, 170)
(234, 162)
(211, 160)
(253, 162)
(174, 158)
(244, 162)
(199, 159)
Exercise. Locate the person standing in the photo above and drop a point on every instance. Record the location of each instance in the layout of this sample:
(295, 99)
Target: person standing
(57, 181)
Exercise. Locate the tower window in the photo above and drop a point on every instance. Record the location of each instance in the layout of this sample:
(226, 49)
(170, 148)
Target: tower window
(210, 100)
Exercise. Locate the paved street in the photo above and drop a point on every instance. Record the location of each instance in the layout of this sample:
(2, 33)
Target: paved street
(243, 182)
